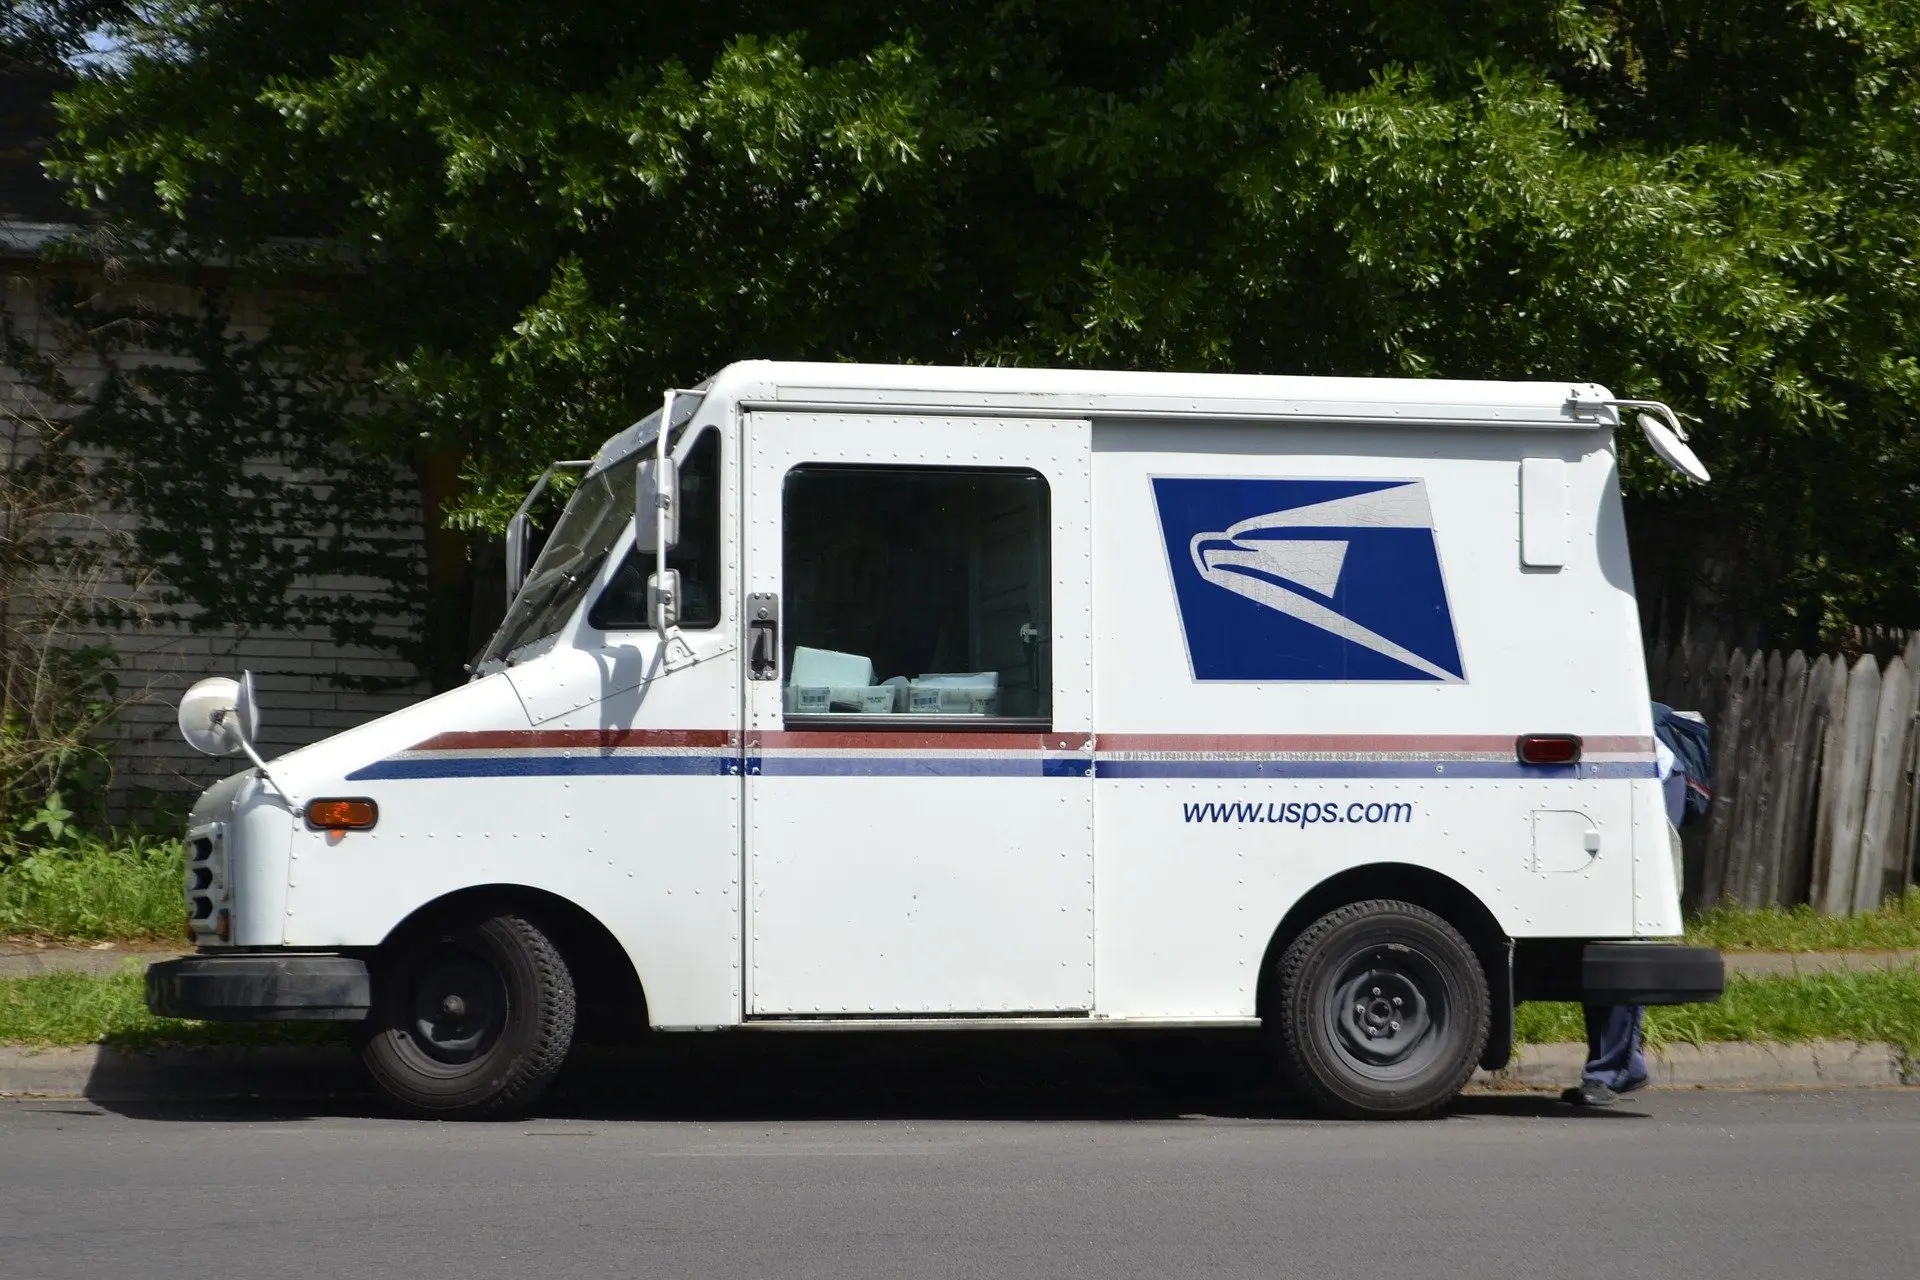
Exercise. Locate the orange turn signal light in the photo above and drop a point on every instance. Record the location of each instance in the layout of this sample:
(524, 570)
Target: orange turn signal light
(342, 815)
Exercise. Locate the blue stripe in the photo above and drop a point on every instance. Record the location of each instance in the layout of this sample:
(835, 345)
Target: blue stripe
(1430, 771)
(546, 767)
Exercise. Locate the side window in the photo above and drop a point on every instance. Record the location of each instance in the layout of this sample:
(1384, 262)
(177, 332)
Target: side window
(913, 591)
(623, 605)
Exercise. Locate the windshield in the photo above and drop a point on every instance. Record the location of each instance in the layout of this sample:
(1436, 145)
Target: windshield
(597, 515)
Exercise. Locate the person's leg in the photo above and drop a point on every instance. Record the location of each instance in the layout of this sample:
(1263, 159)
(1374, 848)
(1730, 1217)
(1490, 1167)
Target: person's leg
(1613, 1046)
(1636, 1069)
(1615, 1063)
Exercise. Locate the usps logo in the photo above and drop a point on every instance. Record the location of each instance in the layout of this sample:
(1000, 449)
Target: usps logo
(1308, 579)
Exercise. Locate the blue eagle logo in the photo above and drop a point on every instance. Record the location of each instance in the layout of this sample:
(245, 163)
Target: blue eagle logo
(1308, 579)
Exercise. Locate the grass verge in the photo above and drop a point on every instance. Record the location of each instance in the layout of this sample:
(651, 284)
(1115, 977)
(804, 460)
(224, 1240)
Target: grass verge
(1877, 1005)
(123, 888)
(1894, 926)
(128, 888)
(75, 1008)
(80, 1008)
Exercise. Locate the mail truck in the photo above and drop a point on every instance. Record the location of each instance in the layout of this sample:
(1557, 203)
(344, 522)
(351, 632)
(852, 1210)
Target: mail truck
(847, 696)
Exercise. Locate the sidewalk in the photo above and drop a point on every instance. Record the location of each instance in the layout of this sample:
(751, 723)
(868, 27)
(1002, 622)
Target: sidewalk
(1795, 964)
(22, 959)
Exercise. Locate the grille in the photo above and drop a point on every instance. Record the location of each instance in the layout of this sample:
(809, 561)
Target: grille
(209, 891)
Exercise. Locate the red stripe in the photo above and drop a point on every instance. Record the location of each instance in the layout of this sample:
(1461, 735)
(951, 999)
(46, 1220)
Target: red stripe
(910, 740)
(1339, 743)
(591, 739)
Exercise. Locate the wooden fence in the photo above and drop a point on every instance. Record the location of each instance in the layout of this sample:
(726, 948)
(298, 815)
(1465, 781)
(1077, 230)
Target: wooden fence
(1814, 764)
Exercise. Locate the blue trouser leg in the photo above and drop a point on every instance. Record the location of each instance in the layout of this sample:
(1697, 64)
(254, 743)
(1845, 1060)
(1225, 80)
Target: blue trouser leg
(1613, 1045)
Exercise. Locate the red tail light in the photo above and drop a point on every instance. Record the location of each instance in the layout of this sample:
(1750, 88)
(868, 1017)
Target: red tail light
(1548, 748)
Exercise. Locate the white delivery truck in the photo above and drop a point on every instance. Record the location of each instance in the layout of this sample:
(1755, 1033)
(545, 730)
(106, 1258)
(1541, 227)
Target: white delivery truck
(869, 696)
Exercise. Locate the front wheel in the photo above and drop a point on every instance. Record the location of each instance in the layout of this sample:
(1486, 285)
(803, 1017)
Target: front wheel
(470, 1020)
(1384, 1011)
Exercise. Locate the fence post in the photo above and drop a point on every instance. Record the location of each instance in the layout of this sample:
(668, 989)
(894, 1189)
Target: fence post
(1798, 832)
(1714, 877)
(1746, 858)
(1848, 785)
(1889, 758)
(1771, 843)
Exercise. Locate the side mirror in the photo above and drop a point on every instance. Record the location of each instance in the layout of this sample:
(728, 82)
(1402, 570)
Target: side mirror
(657, 488)
(516, 555)
(218, 716)
(663, 599)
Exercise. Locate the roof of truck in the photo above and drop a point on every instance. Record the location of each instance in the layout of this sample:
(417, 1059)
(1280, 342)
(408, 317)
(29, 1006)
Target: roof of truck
(1121, 393)
(1129, 395)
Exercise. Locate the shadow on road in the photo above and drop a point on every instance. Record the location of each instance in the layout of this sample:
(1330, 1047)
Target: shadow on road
(839, 1076)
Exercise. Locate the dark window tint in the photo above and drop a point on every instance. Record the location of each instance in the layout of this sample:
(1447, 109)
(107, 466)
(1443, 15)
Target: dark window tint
(917, 591)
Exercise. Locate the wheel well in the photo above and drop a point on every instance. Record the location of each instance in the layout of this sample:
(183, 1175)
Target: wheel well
(1423, 887)
(612, 1003)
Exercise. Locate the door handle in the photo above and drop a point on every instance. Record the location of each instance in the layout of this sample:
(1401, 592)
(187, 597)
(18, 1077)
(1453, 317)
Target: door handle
(763, 636)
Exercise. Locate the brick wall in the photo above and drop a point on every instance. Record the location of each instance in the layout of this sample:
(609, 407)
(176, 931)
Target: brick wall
(297, 673)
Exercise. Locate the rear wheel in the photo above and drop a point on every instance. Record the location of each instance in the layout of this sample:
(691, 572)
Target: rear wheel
(470, 1020)
(1384, 1011)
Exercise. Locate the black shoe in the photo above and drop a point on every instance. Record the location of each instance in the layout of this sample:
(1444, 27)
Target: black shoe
(1589, 1093)
(1634, 1086)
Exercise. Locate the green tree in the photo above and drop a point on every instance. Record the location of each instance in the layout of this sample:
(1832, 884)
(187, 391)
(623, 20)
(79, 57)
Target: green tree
(529, 217)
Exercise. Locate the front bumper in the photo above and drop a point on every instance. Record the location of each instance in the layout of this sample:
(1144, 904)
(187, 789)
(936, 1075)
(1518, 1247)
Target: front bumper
(261, 988)
(1650, 973)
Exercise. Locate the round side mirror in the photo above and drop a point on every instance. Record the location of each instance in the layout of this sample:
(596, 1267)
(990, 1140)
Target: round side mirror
(218, 715)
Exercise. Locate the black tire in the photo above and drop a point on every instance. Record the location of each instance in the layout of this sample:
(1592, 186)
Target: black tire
(471, 1020)
(1383, 1011)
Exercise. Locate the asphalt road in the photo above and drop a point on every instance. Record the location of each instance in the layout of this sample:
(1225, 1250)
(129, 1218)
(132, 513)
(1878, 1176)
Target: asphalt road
(1696, 1185)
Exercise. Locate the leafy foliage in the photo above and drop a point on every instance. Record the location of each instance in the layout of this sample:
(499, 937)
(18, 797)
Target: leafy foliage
(52, 33)
(70, 884)
(552, 208)
(56, 693)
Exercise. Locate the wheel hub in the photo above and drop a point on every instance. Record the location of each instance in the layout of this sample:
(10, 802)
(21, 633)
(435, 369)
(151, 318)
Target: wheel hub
(459, 1006)
(1382, 1014)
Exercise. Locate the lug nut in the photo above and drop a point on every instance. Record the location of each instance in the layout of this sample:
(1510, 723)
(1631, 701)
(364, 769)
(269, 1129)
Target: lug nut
(1393, 1026)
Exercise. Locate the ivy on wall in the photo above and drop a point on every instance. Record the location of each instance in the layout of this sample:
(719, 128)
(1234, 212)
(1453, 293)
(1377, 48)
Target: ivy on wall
(254, 510)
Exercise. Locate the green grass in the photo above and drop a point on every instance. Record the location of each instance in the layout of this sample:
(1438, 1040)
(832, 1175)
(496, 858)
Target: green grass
(1896, 925)
(79, 1008)
(1870, 1006)
(75, 1008)
(123, 888)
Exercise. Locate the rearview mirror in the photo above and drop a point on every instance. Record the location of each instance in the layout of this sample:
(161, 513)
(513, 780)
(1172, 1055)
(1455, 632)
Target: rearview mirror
(516, 555)
(663, 599)
(656, 488)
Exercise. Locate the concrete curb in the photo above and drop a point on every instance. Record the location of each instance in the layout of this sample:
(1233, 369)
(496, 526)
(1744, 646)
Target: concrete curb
(1815, 1064)
(109, 1074)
